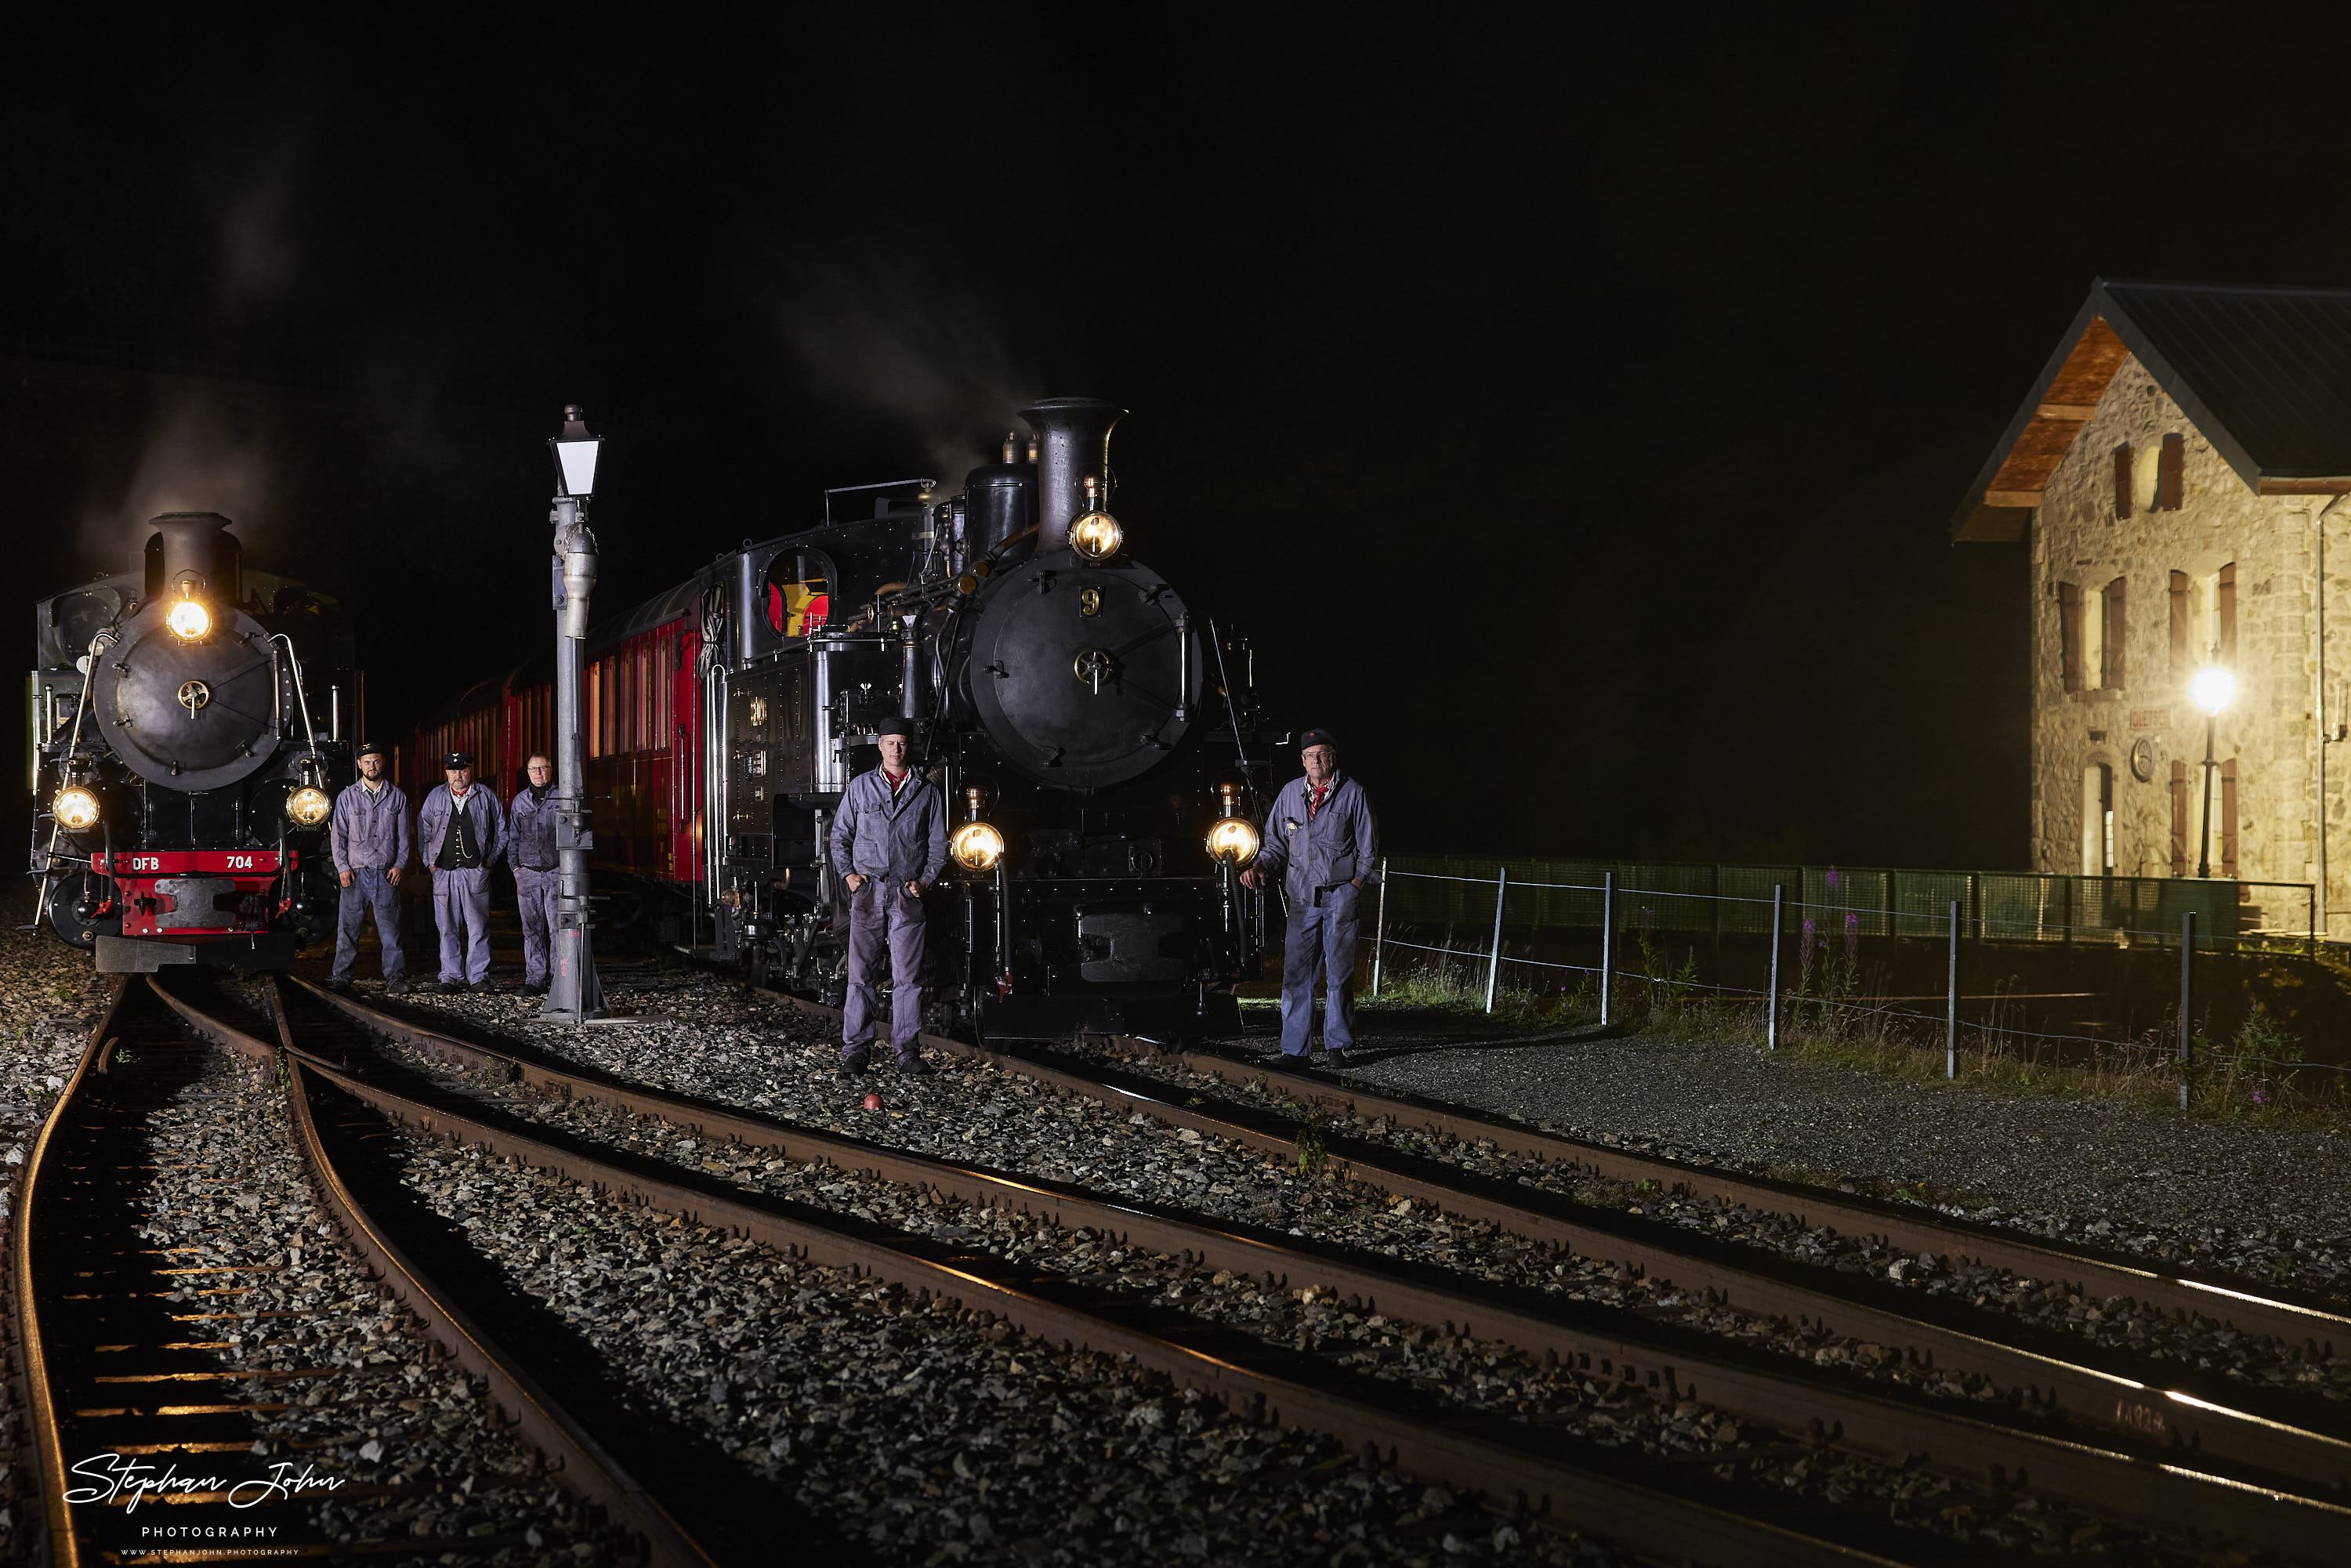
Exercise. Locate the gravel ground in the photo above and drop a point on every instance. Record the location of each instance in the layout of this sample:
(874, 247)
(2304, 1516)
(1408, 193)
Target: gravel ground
(298, 1325)
(781, 1061)
(50, 1001)
(927, 1432)
(2112, 1321)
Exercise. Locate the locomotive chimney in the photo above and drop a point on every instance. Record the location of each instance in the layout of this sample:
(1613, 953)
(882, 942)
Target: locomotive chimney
(192, 547)
(1074, 442)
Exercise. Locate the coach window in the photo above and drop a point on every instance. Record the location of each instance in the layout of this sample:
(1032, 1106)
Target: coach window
(799, 593)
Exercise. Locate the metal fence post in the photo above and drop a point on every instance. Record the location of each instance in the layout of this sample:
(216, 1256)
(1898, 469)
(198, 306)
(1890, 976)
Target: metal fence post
(1771, 997)
(1951, 1003)
(2187, 1000)
(1607, 941)
(1494, 963)
(1380, 930)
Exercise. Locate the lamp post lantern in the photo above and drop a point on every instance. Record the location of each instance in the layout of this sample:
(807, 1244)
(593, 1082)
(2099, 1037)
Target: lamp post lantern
(573, 994)
(2212, 689)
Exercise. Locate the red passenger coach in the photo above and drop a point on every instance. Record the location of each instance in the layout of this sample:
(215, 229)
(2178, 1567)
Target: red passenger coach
(641, 712)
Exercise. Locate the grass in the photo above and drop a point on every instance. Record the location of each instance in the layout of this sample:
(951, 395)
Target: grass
(1832, 1019)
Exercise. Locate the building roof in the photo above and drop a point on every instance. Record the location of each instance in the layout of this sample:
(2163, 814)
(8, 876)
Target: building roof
(2263, 374)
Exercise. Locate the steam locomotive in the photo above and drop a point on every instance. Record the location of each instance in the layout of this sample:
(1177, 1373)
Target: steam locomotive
(188, 723)
(1095, 735)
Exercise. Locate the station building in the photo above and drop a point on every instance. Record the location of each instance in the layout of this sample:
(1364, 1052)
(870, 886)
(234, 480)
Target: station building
(2180, 474)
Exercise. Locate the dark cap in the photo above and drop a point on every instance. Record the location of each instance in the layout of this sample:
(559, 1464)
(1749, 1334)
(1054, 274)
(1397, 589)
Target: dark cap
(1318, 738)
(459, 759)
(369, 746)
(904, 726)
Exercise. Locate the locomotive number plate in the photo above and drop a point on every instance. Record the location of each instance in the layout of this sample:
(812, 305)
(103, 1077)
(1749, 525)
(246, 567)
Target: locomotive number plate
(260, 863)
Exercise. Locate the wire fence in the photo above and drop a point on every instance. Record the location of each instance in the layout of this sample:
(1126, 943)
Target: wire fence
(1998, 906)
(1804, 920)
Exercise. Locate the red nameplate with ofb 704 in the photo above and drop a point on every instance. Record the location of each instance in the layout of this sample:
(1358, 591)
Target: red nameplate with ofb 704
(214, 862)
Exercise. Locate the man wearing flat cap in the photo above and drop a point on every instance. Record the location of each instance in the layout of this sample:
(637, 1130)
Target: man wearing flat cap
(460, 830)
(890, 842)
(530, 850)
(369, 843)
(1322, 845)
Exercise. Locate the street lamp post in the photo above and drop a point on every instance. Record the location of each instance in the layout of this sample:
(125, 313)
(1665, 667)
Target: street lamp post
(2212, 689)
(573, 994)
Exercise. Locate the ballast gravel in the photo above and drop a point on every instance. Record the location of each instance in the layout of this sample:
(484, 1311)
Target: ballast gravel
(346, 1397)
(979, 1113)
(2114, 1322)
(926, 1431)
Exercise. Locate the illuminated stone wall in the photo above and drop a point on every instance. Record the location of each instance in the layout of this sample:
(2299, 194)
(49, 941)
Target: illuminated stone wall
(2271, 729)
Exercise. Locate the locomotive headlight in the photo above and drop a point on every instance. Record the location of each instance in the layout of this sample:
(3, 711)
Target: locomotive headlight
(189, 619)
(1234, 840)
(308, 806)
(977, 846)
(1096, 537)
(75, 808)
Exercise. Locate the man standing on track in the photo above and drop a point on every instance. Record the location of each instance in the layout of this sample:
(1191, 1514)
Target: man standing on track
(369, 843)
(460, 830)
(1322, 843)
(890, 839)
(530, 851)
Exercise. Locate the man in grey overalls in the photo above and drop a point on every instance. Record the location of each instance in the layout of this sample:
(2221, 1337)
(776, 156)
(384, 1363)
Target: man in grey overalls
(890, 840)
(460, 830)
(1322, 843)
(530, 851)
(369, 843)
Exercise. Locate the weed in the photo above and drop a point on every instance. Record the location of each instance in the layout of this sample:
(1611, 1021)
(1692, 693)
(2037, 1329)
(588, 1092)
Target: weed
(1312, 1155)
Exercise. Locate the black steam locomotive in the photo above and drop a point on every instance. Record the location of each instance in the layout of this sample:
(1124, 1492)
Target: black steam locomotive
(188, 735)
(1092, 730)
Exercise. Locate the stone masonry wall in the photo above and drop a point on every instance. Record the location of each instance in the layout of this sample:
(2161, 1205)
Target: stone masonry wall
(2270, 730)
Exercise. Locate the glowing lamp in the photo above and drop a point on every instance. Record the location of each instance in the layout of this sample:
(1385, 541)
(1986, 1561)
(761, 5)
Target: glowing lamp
(75, 808)
(307, 806)
(2213, 688)
(977, 846)
(575, 455)
(189, 620)
(1233, 841)
(1096, 535)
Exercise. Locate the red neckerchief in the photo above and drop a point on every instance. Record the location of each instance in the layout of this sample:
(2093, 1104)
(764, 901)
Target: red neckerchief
(1314, 793)
(896, 780)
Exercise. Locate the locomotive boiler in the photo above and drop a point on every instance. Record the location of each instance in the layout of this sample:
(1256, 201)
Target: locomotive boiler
(1093, 728)
(188, 724)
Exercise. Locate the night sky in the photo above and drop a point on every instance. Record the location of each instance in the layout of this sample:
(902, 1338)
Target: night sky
(1573, 411)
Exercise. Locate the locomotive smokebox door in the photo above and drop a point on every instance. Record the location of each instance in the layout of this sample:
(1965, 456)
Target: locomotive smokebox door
(1085, 676)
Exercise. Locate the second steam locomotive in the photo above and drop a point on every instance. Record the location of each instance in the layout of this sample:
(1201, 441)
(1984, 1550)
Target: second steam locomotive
(1095, 730)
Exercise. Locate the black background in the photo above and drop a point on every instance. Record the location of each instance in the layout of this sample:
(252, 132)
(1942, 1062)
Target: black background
(1572, 408)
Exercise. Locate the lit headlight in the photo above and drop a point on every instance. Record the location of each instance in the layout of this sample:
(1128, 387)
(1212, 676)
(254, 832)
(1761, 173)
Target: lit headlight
(1233, 841)
(977, 846)
(308, 806)
(1096, 536)
(76, 808)
(189, 619)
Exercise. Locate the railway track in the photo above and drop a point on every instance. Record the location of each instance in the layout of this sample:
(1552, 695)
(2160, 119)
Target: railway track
(121, 1343)
(2153, 1477)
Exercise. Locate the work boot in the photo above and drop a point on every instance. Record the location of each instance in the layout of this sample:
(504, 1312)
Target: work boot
(854, 1059)
(911, 1063)
(451, 988)
(1334, 1059)
(479, 987)
(396, 987)
(339, 986)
